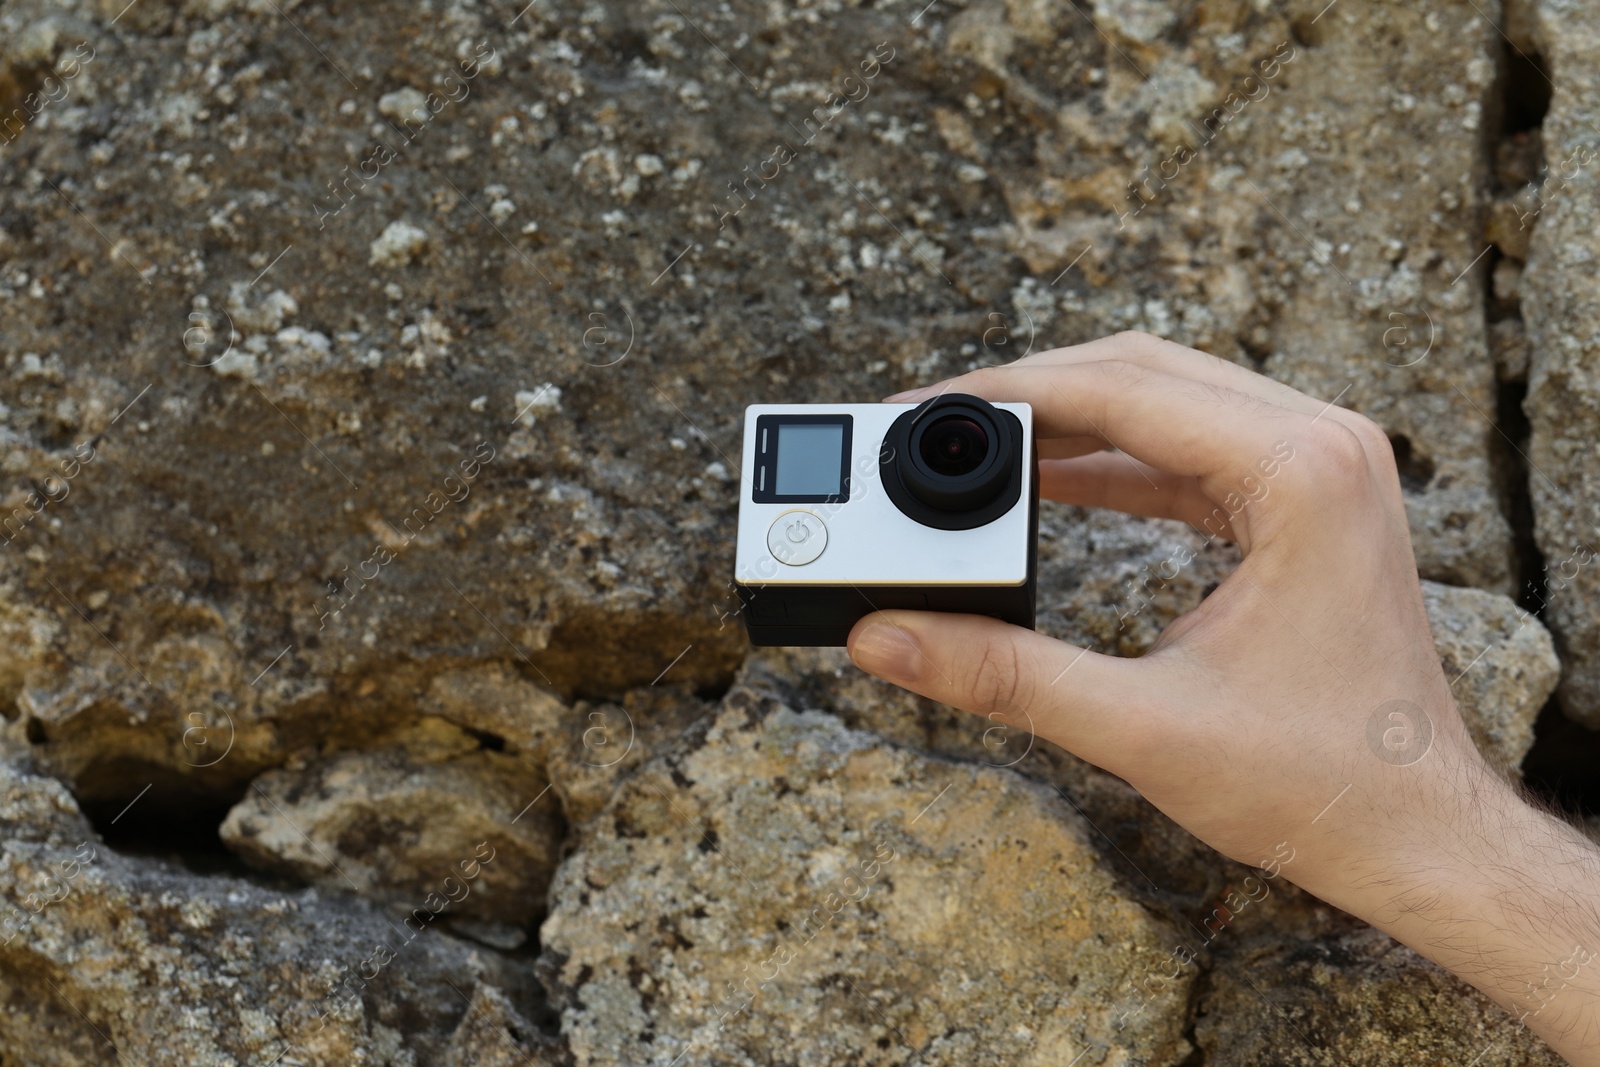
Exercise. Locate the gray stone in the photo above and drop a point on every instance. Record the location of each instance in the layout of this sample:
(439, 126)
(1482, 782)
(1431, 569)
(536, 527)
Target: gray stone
(108, 952)
(1562, 310)
(1357, 998)
(1501, 663)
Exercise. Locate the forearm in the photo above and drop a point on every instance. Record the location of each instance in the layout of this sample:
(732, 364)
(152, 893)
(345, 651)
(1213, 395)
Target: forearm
(1507, 898)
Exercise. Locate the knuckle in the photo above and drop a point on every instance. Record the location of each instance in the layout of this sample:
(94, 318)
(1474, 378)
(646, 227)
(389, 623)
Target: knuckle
(983, 382)
(1137, 339)
(1144, 343)
(1340, 452)
(1370, 434)
(982, 376)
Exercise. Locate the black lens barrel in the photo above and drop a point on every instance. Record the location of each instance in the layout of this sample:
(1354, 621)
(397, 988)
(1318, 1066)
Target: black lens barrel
(953, 462)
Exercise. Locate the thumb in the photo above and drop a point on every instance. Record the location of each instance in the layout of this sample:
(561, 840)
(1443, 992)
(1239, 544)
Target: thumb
(1080, 700)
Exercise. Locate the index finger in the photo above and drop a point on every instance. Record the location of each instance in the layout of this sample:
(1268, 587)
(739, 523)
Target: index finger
(1180, 425)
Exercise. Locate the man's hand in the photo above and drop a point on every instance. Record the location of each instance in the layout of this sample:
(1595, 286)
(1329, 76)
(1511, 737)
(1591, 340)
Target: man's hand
(1303, 700)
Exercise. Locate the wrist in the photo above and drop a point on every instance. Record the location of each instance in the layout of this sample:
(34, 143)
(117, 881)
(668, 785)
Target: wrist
(1426, 827)
(1501, 893)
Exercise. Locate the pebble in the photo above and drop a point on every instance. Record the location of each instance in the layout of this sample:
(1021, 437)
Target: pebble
(399, 245)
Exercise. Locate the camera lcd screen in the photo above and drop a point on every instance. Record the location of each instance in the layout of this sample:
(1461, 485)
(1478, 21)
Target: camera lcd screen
(801, 458)
(810, 457)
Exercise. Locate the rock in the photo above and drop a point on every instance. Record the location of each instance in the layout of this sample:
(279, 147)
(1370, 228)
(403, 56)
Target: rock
(494, 1034)
(1376, 305)
(781, 869)
(404, 104)
(590, 551)
(1509, 228)
(1291, 270)
(495, 699)
(1508, 343)
(1562, 312)
(172, 967)
(1501, 664)
(1507, 281)
(289, 330)
(437, 824)
(1358, 999)
(399, 244)
(582, 750)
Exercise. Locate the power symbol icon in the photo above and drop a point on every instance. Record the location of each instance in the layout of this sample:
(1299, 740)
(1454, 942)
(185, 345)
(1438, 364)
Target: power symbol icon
(795, 538)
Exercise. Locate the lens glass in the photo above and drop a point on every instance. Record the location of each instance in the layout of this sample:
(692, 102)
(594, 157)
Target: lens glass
(954, 445)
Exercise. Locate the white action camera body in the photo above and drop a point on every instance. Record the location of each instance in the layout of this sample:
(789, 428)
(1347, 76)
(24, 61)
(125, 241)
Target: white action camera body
(853, 508)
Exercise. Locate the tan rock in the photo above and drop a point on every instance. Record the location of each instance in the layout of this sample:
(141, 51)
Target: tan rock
(581, 749)
(435, 831)
(783, 879)
(1509, 228)
(1508, 343)
(495, 699)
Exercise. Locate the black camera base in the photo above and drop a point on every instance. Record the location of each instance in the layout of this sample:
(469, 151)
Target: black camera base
(824, 615)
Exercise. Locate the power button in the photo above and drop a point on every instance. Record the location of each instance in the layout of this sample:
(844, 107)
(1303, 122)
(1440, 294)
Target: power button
(796, 538)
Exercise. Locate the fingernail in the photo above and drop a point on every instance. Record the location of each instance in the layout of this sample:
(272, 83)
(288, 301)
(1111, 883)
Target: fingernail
(920, 393)
(888, 651)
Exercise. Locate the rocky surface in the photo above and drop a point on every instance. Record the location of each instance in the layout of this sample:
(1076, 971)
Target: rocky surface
(791, 877)
(109, 958)
(1355, 998)
(432, 377)
(372, 386)
(440, 816)
(1562, 311)
(1473, 630)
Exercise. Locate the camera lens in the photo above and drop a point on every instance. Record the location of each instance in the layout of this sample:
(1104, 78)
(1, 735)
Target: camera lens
(953, 462)
(954, 445)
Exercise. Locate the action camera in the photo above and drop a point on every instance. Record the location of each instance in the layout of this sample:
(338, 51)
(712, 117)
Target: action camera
(854, 508)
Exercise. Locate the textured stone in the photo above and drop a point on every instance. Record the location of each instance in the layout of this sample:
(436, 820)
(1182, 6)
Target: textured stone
(1508, 228)
(1508, 343)
(1379, 307)
(784, 882)
(1286, 234)
(1562, 311)
(438, 819)
(170, 967)
(589, 550)
(583, 749)
(1501, 663)
(1358, 998)
(494, 1034)
(488, 478)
